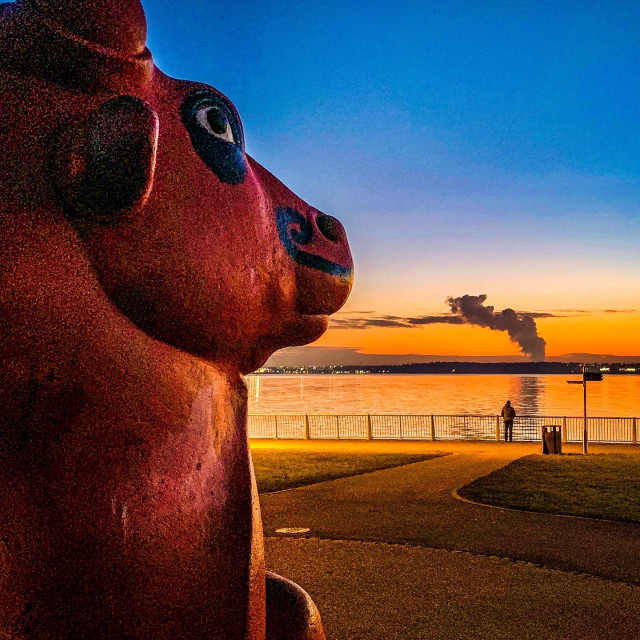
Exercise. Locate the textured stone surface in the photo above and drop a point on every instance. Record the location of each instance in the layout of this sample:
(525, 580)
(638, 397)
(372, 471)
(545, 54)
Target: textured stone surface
(144, 270)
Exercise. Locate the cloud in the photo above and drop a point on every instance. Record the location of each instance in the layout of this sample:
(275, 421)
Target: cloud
(589, 312)
(521, 330)
(387, 321)
(437, 319)
(353, 319)
(538, 314)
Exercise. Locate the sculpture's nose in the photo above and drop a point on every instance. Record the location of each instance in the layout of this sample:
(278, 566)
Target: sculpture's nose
(329, 227)
(318, 243)
(315, 240)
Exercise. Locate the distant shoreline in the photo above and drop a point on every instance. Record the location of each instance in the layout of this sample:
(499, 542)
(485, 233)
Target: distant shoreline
(540, 368)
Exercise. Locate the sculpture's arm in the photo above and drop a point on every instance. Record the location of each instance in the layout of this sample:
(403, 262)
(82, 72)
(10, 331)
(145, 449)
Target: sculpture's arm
(291, 614)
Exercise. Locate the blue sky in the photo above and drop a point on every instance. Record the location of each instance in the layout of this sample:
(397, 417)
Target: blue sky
(468, 147)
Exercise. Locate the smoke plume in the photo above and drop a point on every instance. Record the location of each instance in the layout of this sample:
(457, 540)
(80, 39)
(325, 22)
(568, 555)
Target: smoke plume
(522, 330)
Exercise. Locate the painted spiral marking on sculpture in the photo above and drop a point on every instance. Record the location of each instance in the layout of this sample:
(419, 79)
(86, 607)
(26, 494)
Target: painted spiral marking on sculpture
(296, 230)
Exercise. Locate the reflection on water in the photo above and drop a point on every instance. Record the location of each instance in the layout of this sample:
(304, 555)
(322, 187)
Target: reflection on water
(441, 394)
(530, 389)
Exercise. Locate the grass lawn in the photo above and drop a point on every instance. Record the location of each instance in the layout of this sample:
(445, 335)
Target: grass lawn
(278, 469)
(597, 486)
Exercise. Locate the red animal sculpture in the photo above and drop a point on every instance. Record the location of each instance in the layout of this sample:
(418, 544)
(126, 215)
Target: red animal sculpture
(147, 263)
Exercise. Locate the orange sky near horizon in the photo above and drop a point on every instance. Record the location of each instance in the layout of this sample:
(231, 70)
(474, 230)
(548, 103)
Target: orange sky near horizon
(465, 152)
(597, 333)
(590, 299)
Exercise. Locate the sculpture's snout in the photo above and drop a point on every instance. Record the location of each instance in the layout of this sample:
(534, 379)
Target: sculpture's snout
(315, 240)
(318, 244)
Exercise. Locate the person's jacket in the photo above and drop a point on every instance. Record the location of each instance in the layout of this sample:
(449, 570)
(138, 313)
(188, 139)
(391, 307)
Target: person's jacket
(508, 412)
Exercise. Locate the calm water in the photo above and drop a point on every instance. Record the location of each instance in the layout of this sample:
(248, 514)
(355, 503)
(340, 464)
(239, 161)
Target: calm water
(442, 394)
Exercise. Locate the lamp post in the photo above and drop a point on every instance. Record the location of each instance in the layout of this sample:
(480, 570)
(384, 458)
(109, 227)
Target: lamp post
(585, 435)
(587, 376)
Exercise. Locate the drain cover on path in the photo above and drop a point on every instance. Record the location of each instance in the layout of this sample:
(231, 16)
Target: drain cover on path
(293, 530)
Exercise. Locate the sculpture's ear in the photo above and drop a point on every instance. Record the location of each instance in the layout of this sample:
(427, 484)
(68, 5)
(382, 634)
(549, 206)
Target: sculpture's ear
(105, 164)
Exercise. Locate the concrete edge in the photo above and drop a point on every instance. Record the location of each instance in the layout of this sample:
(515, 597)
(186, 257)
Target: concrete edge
(475, 554)
(457, 496)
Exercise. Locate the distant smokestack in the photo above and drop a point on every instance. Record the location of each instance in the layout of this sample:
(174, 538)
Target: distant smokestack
(522, 331)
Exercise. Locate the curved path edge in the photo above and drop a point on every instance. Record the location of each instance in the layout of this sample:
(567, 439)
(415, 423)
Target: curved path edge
(476, 503)
(415, 505)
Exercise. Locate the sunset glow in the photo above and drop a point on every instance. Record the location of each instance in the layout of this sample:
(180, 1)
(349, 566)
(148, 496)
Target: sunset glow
(467, 148)
(598, 333)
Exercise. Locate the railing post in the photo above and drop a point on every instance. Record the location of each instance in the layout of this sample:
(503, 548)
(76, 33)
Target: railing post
(307, 433)
(401, 433)
(433, 429)
(276, 427)
(369, 429)
(497, 428)
(564, 430)
(338, 426)
(634, 431)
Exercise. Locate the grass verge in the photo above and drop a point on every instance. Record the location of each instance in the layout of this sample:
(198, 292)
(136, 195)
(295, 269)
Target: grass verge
(595, 486)
(278, 469)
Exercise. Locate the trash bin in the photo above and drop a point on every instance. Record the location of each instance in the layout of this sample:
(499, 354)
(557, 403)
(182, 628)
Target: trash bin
(551, 439)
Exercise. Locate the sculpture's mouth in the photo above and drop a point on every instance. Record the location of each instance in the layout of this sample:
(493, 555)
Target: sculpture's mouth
(311, 326)
(321, 296)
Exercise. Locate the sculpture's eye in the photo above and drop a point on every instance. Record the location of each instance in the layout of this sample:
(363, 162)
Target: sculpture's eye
(216, 134)
(213, 120)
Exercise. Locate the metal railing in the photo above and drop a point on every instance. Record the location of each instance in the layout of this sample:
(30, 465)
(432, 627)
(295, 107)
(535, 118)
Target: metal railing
(433, 427)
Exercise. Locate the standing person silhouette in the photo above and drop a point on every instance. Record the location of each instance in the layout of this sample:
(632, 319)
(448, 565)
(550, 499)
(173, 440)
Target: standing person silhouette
(508, 414)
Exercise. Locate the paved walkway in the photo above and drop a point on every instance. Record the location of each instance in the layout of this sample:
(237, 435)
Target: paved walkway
(386, 546)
